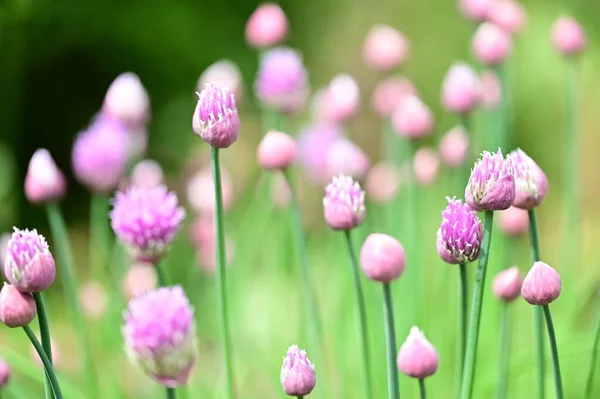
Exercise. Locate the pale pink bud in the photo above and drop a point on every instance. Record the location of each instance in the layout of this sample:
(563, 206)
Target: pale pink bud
(127, 100)
(344, 203)
(513, 221)
(530, 181)
(201, 191)
(277, 150)
(389, 93)
(267, 26)
(382, 258)
(382, 182)
(542, 284)
(491, 44)
(216, 118)
(44, 181)
(491, 89)
(508, 15)
(568, 36)
(412, 119)
(507, 284)
(491, 185)
(418, 358)
(426, 165)
(93, 298)
(385, 48)
(17, 309)
(345, 157)
(4, 373)
(56, 355)
(139, 279)
(147, 174)
(475, 10)
(341, 98)
(225, 73)
(297, 373)
(454, 147)
(460, 90)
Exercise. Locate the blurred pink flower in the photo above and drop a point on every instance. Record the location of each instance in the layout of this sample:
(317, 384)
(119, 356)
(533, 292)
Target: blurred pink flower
(225, 73)
(385, 48)
(93, 298)
(347, 158)
(513, 221)
(426, 165)
(454, 147)
(146, 173)
(508, 15)
(412, 119)
(139, 278)
(475, 10)
(127, 100)
(568, 36)
(491, 44)
(44, 181)
(340, 99)
(201, 191)
(314, 143)
(491, 89)
(267, 26)
(389, 93)
(383, 182)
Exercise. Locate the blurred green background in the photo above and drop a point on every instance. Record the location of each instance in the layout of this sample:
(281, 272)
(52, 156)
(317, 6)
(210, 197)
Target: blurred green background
(57, 59)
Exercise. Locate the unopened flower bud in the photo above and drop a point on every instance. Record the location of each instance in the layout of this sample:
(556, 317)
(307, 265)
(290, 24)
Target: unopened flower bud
(17, 309)
(297, 373)
(542, 284)
(385, 48)
(507, 284)
(454, 147)
(513, 221)
(568, 36)
(508, 15)
(277, 150)
(531, 183)
(491, 44)
(412, 119)
(216, 118)
(127, 100)
(44, 181)
(267, 26)
(426, 165)
(344, 203)
(418, 358)
(460, 90)
(382, 258)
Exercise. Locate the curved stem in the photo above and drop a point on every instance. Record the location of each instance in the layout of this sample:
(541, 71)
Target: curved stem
(504, 353)
(422, 393)
(589, 386)
(46, 361)
(171, 393)
(362, 314)
(221, 271)
(554, 349)
(462, 321)
(475, 320)
(45, 337)
(538, 318)
(390, 339)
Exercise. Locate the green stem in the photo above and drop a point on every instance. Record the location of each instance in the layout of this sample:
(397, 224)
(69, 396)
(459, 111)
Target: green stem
(589, 386)
(390, 339)
(462, 322)
(538, 321)
(163, 281)
(99, 237)
(170, 393)
(221, 270)
(501, 139)
(45, 337)
(422, 392)
(362, 314)
(64, 257)
(504, 353)
(49, 370)
(475, 320)
(554, 349)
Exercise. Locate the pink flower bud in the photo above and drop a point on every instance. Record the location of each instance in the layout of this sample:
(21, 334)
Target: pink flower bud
(531, 182)
(454, 147)
(139, 279)
(215, 118)
(491, 89)
(513, 221)
(568, 36)
(201, 191)
(491, 185)
(344, 203)
(542, 284)
(44, 181)
(412, 119)
(17, 309)
(297, 373)
(385, 48)
(460, 90)
(93, 298)
(147, 174)
(389, 93)
(417, 357)
(382, 258)
(314, 143)
(127, 100)
(460, 234)
(508, 15)
(224, 73)
(491, 44)
(277, 150)
(267, 26)
(507, 284)
(426, 165)
(345, 157)
(475, 10)
(4, 373)
(340, 99)
(382, 182)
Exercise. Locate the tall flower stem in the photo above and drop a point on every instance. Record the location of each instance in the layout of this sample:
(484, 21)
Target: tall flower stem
(99, 236)
(538, 321)
(554, 349)
(504, 352)
(504, 118)
(390, 339)
(45, 337)
(422, 393)
(67, 268)
(163, 281)
(49, 370)
(476, 308)
(589, 386)
(362, 314)
(462, 322)
(221, 278)
(171, 393)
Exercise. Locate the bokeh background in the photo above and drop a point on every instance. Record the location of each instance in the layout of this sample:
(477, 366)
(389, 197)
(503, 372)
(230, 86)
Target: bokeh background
(57, 59)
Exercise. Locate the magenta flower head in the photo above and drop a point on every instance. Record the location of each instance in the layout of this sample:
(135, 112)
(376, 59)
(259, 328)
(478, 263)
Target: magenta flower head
(267, 26)
(344, 203)
(460, 90)
(492, 183)
(146, 221)
(382, 258)
(297, 373)
(100, 154)
(507, 284)
(44, 181)
(531, 183)
(160, 335)
(542, 284)
(277, 150)
(29, 265)
(412, 118)
(385, 48)
(282, 81)
(417, 357)
(127, 100)
(17, 309)
(460, 234)
(216, 118)
(491, 44)
(568, 36)
(4, 373)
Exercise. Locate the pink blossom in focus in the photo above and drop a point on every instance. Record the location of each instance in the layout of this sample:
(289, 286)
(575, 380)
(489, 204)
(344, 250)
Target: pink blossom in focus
(385, 48)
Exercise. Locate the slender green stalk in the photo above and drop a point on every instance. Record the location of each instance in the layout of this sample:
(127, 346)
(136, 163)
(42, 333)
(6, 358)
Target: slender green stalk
(301, 397)
(589, 386)
(221, 270)
(49, 370)
(99, 236)
(422, 393)
(473, 335)
(504, 118)
(45, 337)
(538, 321)
(462, 323)
(362, 314)
(66, 264)
(554, 349)
(504, 353)
(390, 339)
(170, 393)
(163, 281)
(412, 236)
